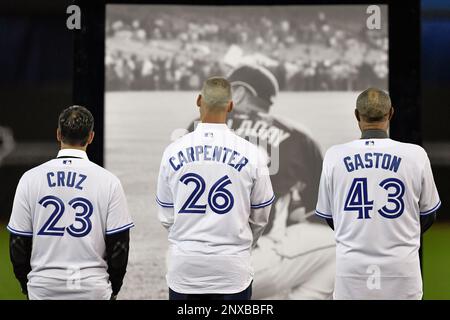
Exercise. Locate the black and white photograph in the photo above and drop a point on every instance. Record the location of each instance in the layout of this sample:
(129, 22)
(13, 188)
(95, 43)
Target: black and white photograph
(305, 64)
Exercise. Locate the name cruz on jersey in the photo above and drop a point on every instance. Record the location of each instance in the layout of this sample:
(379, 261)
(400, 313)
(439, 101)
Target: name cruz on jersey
(69, 179)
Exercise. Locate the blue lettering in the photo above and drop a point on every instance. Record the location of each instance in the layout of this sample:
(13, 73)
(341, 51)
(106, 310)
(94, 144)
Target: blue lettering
(181, 158)
(233, 157)
(377, 155)
(369, 161)
(49, 179)
(348, 164)
(206, 150)
(225, 154)
(386, 161)
(60, 176)
(241, 164)
(395, 164)
(173, 165)
(358, 162)
(217, 153)
(82, 178)
(71, 179)
(198, 151)
(190, 154)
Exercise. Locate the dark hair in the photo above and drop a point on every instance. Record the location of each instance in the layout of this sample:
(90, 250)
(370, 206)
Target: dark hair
(75, 124)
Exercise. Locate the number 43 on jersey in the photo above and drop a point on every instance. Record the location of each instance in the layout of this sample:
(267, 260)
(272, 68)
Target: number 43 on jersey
(358, 198)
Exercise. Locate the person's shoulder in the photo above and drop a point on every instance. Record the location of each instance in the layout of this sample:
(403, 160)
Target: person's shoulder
(244, 143)
(30, 174)
(104, 174)
(411, 150)
(410, 146)
(178, 143)
(338, 148)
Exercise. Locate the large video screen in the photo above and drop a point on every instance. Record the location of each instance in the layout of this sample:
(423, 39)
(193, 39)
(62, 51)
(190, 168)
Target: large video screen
(311, 62)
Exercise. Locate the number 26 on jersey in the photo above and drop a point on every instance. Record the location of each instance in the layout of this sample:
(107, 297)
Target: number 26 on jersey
(217, 191)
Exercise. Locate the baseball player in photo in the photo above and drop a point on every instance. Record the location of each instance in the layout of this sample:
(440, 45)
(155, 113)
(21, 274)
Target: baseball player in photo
(379, 195)
(295, 256)
(214, 194)
(70, 223)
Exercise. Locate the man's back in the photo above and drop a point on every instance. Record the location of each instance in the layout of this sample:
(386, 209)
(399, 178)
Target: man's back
(68, 205)
(377, 189)
(212, 179)
(297, 154)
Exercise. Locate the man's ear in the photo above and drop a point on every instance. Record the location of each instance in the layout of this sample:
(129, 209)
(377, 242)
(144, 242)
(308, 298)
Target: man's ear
(58, 135)
(199, 100)
(357, 115)
(391, 113)
(230, 106)
(91, 137)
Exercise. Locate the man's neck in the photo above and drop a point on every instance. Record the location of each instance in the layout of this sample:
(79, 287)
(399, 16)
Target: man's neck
(213, 118)
(66, 146)
(374, 134)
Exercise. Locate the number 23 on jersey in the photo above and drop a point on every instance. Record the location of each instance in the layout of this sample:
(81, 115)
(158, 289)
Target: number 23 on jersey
(50, 227)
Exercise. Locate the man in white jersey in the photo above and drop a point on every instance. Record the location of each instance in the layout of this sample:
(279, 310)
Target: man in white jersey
(70, 223)
(215, 195)
(379, 195)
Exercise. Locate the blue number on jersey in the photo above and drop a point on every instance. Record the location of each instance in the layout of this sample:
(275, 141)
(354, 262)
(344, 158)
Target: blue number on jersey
(357, 199)
(49, 228)
(217, 191)
(191, 206)
(396, 198)
(81, 217)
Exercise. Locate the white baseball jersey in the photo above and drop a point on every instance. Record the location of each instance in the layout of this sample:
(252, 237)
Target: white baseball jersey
(376, 190)
(68, 205)
(215, 194)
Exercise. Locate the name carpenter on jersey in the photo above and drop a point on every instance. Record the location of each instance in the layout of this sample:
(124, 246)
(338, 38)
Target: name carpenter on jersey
(372, 160)
(208, 153)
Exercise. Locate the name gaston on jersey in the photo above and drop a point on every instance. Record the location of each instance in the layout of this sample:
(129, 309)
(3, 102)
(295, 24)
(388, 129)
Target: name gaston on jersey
(370, 160)
(208, 153)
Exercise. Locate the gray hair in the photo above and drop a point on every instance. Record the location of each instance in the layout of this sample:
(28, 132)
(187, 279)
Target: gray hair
(216, 93)
(373, 104)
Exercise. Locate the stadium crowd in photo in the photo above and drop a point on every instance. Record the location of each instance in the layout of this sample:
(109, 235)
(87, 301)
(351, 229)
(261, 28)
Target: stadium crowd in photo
(306, 51)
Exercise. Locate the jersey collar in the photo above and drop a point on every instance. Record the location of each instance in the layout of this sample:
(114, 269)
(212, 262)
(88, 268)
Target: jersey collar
(374, 134)
(211, 126)
(72, 153)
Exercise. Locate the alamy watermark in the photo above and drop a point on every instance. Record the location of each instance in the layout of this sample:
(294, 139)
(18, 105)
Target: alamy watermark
(374, 280)
(373, 21)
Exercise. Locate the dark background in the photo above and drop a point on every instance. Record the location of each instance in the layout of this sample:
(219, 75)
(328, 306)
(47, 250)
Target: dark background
(37, 68)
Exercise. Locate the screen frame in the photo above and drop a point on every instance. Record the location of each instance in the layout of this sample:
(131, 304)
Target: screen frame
(404, 61)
